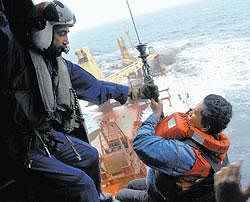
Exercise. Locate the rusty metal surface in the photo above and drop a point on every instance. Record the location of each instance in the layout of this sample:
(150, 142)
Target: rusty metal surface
(118, 161)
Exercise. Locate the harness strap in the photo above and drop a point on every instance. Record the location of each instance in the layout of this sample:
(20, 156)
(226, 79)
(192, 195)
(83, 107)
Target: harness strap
(209, 157)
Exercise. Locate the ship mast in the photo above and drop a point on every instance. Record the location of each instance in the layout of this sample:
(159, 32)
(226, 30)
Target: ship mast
(128, 35)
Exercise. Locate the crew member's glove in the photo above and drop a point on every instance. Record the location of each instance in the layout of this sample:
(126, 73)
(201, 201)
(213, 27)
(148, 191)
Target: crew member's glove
(121, 99)
(147, 91)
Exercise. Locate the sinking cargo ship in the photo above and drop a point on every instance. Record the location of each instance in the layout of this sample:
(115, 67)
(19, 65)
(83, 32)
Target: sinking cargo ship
(118, 124)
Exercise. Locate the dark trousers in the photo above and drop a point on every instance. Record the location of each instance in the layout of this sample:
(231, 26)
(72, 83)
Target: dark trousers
(136, 192)
(62, 177)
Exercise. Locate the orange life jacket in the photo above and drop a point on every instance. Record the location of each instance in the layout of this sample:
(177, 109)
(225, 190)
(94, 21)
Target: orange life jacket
(177, 126)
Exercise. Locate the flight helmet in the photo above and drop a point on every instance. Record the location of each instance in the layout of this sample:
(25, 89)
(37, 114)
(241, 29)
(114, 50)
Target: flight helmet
(53, 13)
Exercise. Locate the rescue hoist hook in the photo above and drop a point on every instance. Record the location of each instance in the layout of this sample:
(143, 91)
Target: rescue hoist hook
(143, 55)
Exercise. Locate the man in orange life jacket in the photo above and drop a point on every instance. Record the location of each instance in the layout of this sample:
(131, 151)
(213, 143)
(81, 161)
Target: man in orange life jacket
(182, 151)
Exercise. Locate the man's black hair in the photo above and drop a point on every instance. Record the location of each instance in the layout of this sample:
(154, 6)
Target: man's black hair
(217, 113)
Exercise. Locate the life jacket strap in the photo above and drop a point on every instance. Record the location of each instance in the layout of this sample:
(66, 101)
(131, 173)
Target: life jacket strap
(211, 159)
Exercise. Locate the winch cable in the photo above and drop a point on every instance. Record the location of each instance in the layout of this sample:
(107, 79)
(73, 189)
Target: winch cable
(143, 55)
(142, 50)
(132, 18)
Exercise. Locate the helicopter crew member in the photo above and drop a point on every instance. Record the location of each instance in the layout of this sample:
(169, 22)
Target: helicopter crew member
(39, 95)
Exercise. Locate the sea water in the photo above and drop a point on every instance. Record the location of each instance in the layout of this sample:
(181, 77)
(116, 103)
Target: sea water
(205, 48)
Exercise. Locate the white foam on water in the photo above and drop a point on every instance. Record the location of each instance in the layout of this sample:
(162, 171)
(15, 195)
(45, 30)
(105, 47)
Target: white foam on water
(213, 67)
